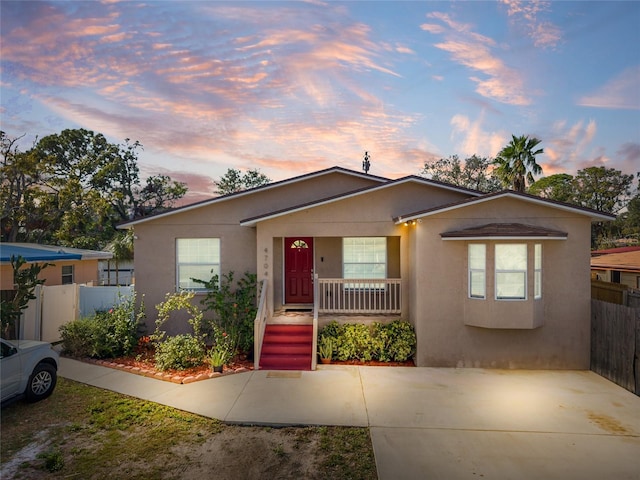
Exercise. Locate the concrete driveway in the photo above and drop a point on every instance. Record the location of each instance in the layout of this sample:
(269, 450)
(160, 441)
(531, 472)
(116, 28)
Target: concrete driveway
(428, 423)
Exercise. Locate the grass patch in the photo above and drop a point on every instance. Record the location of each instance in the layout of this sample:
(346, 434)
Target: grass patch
(90, 433)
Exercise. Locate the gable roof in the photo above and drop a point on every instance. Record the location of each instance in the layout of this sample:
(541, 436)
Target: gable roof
(596, 253)
(496, 231)
(251, 191)
(626, 261)
(595, 215)
(252, 221)
(33, 252)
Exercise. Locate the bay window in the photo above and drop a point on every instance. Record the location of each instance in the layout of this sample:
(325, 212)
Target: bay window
(511, 271)
(477, 270)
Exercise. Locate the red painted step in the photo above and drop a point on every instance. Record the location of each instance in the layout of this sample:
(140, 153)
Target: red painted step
(287, 347)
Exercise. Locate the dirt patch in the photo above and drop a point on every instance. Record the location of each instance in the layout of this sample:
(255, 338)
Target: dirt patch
(239, 453)
(89, 433)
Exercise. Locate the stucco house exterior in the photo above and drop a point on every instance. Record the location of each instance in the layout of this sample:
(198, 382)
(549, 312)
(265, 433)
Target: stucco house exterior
(487, 280)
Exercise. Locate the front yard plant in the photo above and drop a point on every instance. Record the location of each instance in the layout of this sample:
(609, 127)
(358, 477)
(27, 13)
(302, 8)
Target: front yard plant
(105, 334)
(223, 348)
(390, 342)
(233, 305)
(179, 352)
(182, 351)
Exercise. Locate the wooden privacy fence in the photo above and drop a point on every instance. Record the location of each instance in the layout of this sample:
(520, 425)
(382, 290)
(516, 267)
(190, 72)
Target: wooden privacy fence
(609, 292)
(615, 343)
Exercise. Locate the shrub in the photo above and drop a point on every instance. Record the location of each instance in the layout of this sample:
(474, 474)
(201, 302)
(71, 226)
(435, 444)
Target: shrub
(233, 305)
(105, 334)
(399, 341)
(172, 303)
(356, 342)
(179, 352)
(394, 341)
(78, 337)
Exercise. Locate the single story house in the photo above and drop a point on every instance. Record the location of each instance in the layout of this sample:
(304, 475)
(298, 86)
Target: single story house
(496, 280)
(69, 265)
(620, 265)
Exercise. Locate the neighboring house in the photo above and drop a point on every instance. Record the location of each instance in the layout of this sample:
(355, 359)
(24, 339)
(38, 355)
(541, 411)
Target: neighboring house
(487, 280)
(617, 265)
(116, 273)
(69, 265)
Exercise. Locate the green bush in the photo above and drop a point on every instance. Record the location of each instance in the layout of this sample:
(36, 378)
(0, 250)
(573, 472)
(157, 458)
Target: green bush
(233, 304)
(79, 337)
(179, 352)
(106, 334)
(395, 341)
(399, 341)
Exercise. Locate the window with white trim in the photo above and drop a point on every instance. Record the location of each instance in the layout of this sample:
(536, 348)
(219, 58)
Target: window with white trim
(67, 274)
(196, 258)
(477, 270)
(364, 258)
(537, 271)
(511, 271)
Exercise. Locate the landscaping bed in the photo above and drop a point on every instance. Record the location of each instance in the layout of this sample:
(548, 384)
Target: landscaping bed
(146, 366)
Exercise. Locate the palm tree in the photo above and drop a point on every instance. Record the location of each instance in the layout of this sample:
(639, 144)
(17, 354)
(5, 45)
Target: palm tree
(122, 248)
(516, 164)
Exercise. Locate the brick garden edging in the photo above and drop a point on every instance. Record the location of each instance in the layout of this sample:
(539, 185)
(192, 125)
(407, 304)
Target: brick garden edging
(167, 377)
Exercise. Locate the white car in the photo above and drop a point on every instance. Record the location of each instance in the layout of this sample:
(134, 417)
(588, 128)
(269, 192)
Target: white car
(28, 368)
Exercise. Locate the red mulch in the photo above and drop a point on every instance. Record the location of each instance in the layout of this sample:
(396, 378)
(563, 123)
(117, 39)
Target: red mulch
(142, 363)
(374, 363)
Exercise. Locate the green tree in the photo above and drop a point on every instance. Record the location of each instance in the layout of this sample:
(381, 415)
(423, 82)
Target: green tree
(602, 188)
(72, 189)
(25, 281)
(554, 187)
(159, 194)
(473, 174)
(630, 220)
(122, 248)
(235, 181)
(516, 164)
(19, 173)
(607, 190)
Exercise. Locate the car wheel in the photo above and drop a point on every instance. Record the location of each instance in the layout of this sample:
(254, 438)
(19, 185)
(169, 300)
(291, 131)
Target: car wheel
(41, 382)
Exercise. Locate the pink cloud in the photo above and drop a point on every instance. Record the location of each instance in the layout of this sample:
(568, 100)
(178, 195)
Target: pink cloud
(543, 33)
(620, 92)
(474, 51)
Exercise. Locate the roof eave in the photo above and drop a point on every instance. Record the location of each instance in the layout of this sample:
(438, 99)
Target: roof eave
(506, 237)
(186, 208)
(594, 215)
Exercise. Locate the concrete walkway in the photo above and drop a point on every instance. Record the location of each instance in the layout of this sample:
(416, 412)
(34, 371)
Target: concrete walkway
(427, 423)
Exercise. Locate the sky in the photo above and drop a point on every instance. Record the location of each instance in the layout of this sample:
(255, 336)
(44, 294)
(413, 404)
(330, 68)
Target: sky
(293, 87)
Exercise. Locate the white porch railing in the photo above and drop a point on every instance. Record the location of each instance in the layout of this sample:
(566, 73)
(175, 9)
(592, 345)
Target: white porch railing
(314, 342)
(340, 295)
(259, 324)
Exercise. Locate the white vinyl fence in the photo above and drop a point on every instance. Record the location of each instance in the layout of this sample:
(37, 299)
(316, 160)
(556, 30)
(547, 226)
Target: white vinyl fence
(59, 304)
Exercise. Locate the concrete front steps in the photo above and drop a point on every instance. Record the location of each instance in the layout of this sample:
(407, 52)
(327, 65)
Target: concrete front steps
(287, 347)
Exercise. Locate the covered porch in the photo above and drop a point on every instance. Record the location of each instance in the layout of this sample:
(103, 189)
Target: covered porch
(313, 273)
(286, 339)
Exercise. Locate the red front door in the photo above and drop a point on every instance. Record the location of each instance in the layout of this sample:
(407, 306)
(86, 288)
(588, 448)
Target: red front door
(298, 270)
